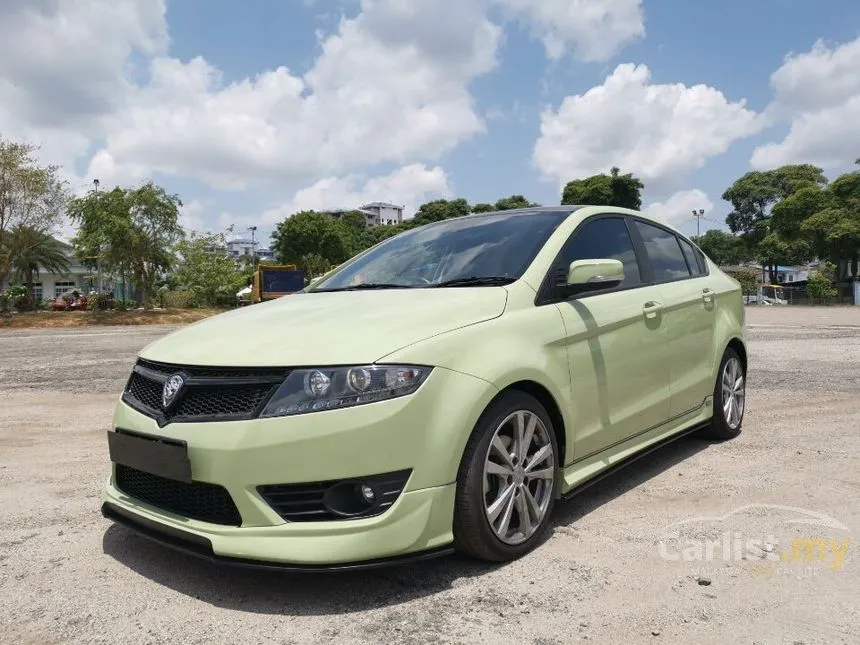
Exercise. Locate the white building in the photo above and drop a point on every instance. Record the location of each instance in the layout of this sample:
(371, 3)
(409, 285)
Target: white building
(48, 286)
(382, 213)
(375, 213)
(241, 247)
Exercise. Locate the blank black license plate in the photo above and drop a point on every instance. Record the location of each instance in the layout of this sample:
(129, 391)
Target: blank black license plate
(163, 457)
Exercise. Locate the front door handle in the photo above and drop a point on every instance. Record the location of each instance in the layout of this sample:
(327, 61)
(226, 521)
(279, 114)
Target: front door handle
(707, 296)
(651, 309)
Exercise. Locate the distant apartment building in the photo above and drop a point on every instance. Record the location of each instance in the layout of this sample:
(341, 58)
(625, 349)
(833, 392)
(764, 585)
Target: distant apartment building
(241, 247)
(375, 213)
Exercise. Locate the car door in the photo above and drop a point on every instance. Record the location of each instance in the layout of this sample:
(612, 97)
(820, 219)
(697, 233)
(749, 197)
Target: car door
(688, 311)
(616, 343)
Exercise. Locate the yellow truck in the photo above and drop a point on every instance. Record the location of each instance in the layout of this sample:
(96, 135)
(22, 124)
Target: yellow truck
(272, 281)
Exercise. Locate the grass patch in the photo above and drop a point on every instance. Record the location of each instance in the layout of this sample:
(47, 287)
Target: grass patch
(47, 319)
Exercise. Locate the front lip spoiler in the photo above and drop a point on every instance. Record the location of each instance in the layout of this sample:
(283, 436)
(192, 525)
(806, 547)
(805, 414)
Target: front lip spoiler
(201, 547)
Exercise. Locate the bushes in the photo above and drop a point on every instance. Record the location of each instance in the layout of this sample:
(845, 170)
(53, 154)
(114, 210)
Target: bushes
(14, 297)
(100, 302)
(178, 299)
(820, 289)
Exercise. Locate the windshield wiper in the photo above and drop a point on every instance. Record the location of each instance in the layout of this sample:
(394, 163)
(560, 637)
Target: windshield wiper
(364, 285)
(475, 281)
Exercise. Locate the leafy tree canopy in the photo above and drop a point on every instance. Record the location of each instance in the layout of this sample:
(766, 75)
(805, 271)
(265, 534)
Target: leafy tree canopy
(32, 198)
(614, 189)
(130, 231)
(723, 248)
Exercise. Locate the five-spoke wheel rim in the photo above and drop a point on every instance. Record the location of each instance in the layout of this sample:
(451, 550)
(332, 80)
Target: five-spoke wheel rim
(734, 393)
(519, 474)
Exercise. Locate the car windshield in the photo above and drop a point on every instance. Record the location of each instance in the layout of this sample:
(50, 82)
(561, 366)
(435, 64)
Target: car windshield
(480, 250)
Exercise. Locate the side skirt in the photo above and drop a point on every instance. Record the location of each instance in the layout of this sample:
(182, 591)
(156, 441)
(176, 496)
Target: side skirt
(580, 476)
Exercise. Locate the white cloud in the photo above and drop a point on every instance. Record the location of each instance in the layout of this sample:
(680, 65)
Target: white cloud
(64, 65)
(677, 210)
(408, 186)
(191, 215)
(594, 29)
(818, 92)
(659, 132)
(390, 86)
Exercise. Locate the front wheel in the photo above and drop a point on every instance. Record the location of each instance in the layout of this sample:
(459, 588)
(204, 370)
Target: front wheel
(506, 482)
(729, 397)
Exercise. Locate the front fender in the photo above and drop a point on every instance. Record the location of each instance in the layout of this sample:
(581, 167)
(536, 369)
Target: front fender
(522, 345)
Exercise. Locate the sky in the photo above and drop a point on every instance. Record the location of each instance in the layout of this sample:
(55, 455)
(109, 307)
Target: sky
(252, 110)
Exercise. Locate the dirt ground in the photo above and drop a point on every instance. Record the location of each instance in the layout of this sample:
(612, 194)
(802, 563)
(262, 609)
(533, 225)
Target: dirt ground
(627, 561)
(53, 319)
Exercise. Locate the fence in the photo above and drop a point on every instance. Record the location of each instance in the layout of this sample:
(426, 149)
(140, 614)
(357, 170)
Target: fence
(797, 295)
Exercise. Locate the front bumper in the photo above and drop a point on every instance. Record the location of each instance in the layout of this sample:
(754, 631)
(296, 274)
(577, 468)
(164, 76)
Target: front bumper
(425, 432)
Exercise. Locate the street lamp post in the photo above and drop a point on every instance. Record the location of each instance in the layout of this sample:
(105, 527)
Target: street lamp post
(253, 230)
(698, 214)
(98, 259)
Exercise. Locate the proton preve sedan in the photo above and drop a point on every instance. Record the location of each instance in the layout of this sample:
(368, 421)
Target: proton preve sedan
(440, 391)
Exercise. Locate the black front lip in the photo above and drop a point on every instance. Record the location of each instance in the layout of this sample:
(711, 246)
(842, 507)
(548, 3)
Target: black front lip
(201, 547)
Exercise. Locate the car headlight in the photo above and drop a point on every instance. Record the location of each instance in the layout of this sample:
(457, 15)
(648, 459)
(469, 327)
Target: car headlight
(324, 388)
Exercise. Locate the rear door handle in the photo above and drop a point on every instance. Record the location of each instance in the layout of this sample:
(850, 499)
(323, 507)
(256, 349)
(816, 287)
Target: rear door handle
(707, 296)
(651, 309)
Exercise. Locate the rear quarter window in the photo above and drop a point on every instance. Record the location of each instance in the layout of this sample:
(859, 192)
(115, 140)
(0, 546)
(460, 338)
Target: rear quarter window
(664, 253)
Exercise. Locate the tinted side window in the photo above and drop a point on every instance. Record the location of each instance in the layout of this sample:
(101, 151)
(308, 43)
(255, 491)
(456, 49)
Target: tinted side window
(703, 263)
(691, 256)
(605, 238)
(667, 260)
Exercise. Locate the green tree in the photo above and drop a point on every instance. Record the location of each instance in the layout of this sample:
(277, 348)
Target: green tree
(513, 202)
(614, 189)
(40, 252)
(775, 249)
(825, 219)
(208, 271)
(132, 231)
(723, 248)
(483, 208)
(314, 265)
(353, 225)
(748, 279)
(756, 194)
(32, 197)
(440, 209)
(308, 234)
(820, 288)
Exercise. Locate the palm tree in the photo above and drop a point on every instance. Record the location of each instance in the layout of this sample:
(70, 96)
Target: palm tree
(36, 251)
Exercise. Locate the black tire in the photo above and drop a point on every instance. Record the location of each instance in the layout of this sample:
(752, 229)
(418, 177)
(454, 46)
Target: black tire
(720, 428)
(473, 534)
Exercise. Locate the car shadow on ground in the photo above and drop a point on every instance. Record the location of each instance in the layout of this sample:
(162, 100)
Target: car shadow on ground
(273, 592)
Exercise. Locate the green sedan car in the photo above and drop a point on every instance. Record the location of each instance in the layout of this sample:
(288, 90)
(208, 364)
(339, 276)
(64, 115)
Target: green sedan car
(438, 392)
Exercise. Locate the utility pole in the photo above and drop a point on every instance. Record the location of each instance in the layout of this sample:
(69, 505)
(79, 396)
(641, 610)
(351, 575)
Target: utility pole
(698, 214)
(253, 230)
(99, 258)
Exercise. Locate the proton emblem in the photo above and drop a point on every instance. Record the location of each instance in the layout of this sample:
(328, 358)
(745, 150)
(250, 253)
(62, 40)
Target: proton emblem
(171, 389)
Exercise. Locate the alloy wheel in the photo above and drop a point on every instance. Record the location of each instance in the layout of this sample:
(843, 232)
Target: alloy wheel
(519, 477)
(734, 393)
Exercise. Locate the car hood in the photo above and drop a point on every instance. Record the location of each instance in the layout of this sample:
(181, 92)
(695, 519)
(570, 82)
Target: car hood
(326, 328)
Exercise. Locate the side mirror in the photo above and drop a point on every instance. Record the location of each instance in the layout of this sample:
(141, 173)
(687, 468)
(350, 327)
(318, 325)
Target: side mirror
(588, 275)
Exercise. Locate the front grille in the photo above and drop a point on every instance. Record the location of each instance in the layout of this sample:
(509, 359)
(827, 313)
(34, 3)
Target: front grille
(314, 502)
(209, 393)
(195, 500)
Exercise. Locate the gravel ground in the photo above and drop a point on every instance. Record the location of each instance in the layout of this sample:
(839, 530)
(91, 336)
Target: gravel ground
(612, 570)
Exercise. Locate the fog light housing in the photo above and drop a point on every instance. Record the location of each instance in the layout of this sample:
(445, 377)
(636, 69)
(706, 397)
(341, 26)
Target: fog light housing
(367, 494)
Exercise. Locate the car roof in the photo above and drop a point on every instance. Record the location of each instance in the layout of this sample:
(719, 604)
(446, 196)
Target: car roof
(564, 208)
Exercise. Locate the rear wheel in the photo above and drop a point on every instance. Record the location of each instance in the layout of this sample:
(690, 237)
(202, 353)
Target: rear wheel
(729, 397)
(506, 482)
